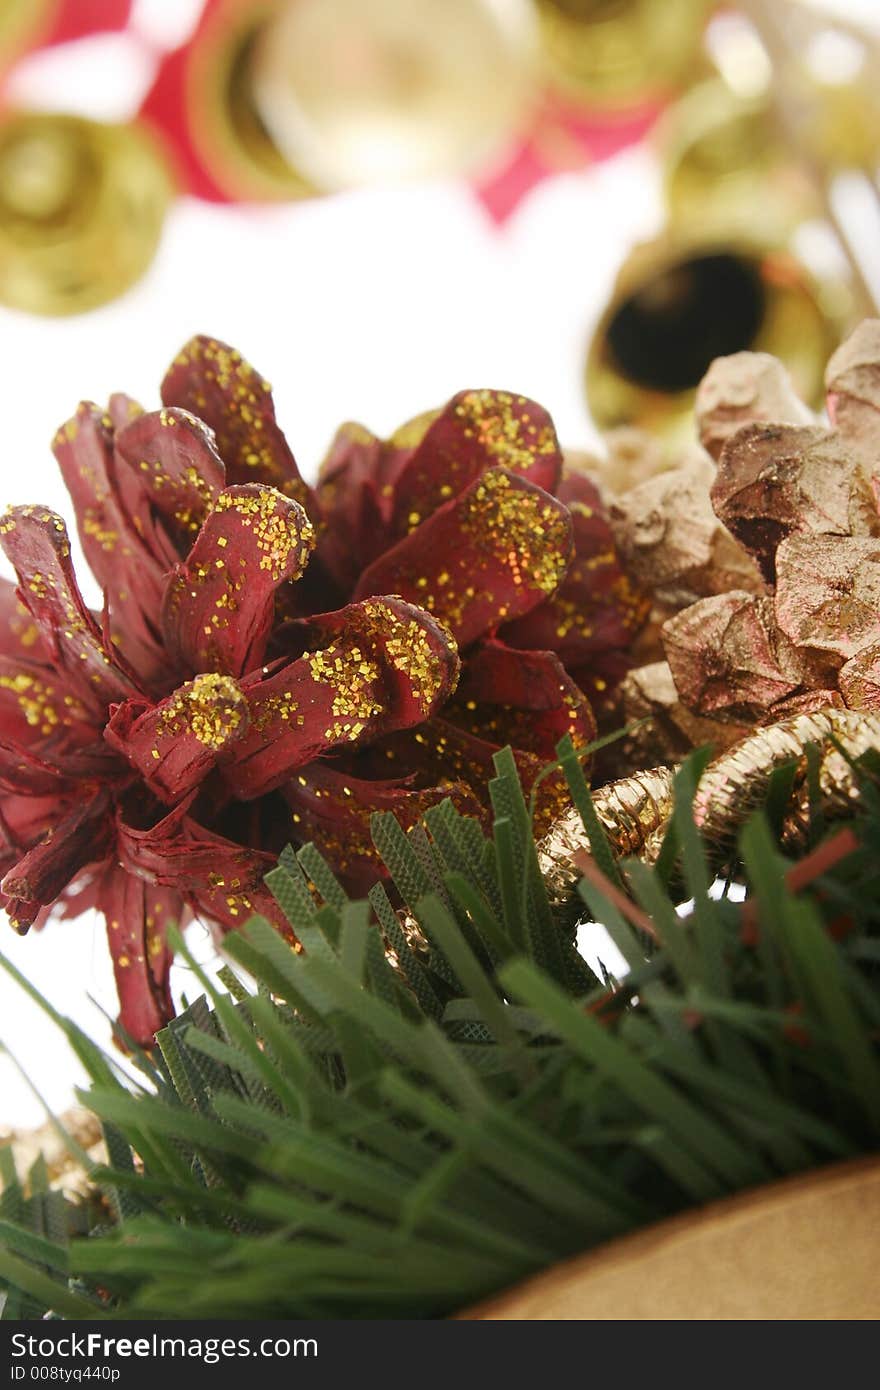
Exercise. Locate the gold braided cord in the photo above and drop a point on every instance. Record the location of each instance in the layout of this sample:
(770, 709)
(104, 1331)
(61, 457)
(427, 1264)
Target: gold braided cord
(635, 811)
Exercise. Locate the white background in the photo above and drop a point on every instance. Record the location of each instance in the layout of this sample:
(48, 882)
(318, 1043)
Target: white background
(372, 306)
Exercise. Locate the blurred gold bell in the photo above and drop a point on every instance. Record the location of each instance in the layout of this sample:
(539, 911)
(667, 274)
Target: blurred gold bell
(81, 210)
(681, 301)
(723, 156)
(355, 93)
(724, 277)
(622, 52)
(842, 108)
(832, 75)
(224, 117)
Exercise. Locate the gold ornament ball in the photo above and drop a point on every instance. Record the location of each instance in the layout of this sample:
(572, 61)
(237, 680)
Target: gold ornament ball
(81, 210)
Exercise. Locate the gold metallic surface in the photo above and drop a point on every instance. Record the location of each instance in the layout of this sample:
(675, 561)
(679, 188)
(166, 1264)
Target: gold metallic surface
(81, 210)
(630, 810)
(852, 379)
(622, 52)
(635, 811)
(354, 93)
(668, 283)
(735, 784)
(666, 730)
(21, 23)
(741, 389)
(776, 481)
(225, 120)
(672, 543)
(720, 151)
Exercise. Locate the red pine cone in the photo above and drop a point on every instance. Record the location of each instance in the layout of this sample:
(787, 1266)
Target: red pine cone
(156, 757)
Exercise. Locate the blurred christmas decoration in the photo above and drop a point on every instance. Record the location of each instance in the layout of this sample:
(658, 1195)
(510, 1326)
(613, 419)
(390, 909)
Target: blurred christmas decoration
(831, 68)
(204, 103)
(22, 23)
(156, 757)
(82, 204)
(396, 93)
(288, 97)
(719, 151)
(605, 71)
(28, 24)
(562, 138)
(619, 53)
(284, 99)
(719, 280)
(691, 296)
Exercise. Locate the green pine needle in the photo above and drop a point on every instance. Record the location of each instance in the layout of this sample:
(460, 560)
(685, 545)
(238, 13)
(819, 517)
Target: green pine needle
(390, 1124)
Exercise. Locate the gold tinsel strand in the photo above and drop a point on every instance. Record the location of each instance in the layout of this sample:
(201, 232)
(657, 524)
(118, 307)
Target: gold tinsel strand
(635, 811)
(630, 810)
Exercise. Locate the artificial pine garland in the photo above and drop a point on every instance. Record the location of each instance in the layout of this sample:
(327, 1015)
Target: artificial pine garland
(399, 1123)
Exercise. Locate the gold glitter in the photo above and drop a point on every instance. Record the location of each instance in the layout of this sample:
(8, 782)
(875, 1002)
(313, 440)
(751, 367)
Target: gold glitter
(273, 707)
(244, 419)
(212, 708)
(409, 649)
(26, 631)
(510, 438)
(192, 517)
(521, 528)
(155, 939)
(576, 615)
(734, 784)
(278, 535)
(93, 526)
(353, 681)
(38, 702)
(194, 492)
(629, 811)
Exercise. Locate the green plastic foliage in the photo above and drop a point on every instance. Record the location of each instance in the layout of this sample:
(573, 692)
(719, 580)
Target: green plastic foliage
(437, 1098)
